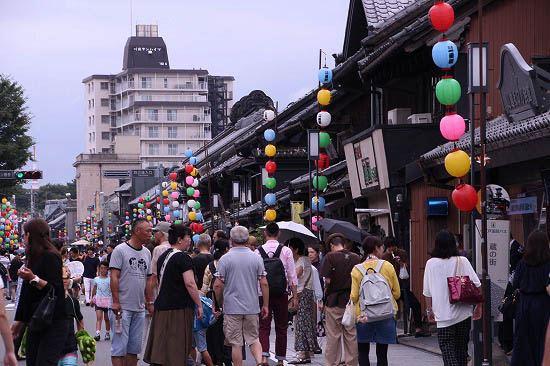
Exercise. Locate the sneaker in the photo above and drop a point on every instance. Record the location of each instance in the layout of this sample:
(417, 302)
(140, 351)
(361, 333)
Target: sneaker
(97, 336)
(107, 336)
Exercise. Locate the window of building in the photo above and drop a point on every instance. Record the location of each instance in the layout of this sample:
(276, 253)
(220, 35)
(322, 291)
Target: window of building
(153, 114)
(154, 149)
(165, 83)
(90, 138)
(137, 131)
(104, 102)
(93, 102)
(105, 118)
(106, 150)
(146, 83)
(106, 136)
(93, 136)
(93, 120)
(172, 149)
(89, 121)
(171, 114)
(89, 104)
(137, 115)
(172, 132)
(104, 85)
(153, 131)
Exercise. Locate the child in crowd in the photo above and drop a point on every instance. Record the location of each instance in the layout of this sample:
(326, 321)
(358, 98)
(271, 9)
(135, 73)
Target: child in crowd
(70, 350)
(101, 297)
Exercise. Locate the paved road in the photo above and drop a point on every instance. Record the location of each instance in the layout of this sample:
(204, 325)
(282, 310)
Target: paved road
(399, 355)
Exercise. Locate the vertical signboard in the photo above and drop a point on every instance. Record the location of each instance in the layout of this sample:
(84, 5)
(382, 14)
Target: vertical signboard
(498, 259)
(296, 208)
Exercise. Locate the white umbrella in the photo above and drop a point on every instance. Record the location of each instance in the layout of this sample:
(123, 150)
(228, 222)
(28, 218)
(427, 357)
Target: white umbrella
(290, 229)
(81, 242)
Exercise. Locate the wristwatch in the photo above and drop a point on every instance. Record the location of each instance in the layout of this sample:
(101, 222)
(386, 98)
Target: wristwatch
(34, 281)
(150, 303)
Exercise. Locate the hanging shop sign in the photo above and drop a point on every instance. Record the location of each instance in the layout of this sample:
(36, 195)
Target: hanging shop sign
(523, 206)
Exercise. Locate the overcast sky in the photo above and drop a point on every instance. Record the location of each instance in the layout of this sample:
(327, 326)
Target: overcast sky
(50, 46)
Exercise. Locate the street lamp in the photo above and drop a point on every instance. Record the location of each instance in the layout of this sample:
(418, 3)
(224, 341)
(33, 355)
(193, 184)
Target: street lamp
(236, 195)
(474, 69)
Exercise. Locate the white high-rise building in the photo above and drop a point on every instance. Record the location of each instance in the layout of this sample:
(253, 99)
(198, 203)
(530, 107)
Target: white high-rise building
(165, 110)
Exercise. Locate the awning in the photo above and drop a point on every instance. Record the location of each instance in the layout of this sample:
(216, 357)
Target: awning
(57, 220)
(125, 187)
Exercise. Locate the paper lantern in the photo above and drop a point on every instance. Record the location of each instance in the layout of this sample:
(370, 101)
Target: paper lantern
(149, 218)
(197, 193)
(323, 119)
(318, 203)
(148, 204)
(270, 182)
(190, 191)
(164, 184)
(177, 222)
(164, 193)
(445, 54)
(175, 195)
(199, 216)
(188, 152)
(196, 238)
(197, 205)
(324, 140)
(175, 204)
(270, 215)
(191, 203)
(314, 219)
(199, 227)
(325, 75)
(270, 199)
(194, 172)
(441, 16)
(270, 167)
(452, 126)
(177, 214)
(195, 183)
(4, 201)
(269, 115)
(320, 182)
(166, 209)
(323, 97)
(189, 168)
(465, 197)
(141, 200)
(167, 217)
(270, 150)
(457, 163)
(189, 180)
(173, 175)
(323, 162)
(158, 199)
(448, 91)
(166, 201)
(269, 135)
(192, 216)
(173, 185)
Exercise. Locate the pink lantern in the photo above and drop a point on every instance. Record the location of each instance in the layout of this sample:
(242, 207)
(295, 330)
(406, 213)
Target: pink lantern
(197, 193)
(314, 219)
(167, 217)
(189, 180)
(452, 126)
(175, 195)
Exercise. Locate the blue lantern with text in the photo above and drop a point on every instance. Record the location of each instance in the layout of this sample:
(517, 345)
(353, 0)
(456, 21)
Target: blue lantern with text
(445, 54)
(325, 75)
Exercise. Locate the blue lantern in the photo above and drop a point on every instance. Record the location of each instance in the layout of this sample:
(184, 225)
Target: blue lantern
(166, 209)
(269, 135)
(127, 217)
(157, 192)
(193, 160)
(318, 204)
(445, 54)
(325, 75)
(188, 153)
(199, 216)
(196, 238)
(270, 199)
(177, 214)
(135, 215)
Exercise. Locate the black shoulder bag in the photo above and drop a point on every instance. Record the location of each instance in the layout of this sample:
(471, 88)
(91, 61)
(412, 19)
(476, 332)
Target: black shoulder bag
(43, 315)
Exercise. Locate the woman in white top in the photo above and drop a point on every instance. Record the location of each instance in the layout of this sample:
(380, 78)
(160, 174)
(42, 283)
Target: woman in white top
(453, 320)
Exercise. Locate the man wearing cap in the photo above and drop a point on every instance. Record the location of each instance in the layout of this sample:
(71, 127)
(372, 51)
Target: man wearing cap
(236, 287)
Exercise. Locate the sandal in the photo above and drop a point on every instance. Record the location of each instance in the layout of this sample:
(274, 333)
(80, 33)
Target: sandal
(300, 361)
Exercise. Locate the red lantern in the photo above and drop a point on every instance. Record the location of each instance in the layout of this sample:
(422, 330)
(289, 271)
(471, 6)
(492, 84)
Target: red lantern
(193, 227)
(25, 214)
(127, 213)
(198, 228)
(166, 201)
(173, 175)
(158, 199)
(141, 200)
(323, 162)
(441, 16)
(270, 166)
(189, 168)
(15, 212)
(148, 205)
(465, 197)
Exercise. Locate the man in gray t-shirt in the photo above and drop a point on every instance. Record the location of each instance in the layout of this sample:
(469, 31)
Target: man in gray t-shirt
(237, 287)
(132, 290)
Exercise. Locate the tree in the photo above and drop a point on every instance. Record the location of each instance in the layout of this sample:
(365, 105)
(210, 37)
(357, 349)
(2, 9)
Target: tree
(41, 195)
(14, 124)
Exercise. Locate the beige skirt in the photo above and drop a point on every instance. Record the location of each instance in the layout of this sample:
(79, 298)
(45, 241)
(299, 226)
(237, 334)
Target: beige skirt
(170, 337)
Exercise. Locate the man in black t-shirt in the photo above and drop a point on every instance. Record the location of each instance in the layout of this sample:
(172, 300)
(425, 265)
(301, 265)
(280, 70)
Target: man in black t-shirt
(203, 258)
(91, 262)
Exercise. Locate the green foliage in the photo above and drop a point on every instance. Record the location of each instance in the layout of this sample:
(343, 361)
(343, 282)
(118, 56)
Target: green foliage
(14, 124)
(41, 195)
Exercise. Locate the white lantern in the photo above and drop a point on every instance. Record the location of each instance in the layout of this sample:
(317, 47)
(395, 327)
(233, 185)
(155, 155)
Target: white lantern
(164, 184)
(195, 183)
(269, 115)
(191, 203)
(175, 204)
(148, 211)
(323, 118)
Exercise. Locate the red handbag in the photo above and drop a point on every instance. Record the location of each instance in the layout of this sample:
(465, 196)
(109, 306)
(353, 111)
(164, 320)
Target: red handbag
(462, 289)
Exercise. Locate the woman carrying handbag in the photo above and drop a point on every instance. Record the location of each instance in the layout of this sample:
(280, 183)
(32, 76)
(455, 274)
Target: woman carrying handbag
(448, 304)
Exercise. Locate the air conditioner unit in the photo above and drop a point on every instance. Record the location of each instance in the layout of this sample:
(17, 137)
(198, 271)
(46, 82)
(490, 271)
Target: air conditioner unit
(419, 118)
(363, 221)
(398, 116)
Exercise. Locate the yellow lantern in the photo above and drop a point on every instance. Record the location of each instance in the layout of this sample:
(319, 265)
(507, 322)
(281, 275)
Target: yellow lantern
(194, 172)
(270, 150)
(149, 218)
(1, 240)
(134, 210)
(270, 215)
(12, 242)
(323, 97)
(164, 193)
(127, 226)
(174, 186)
(192, 216)
(457, 163)
(4, 201)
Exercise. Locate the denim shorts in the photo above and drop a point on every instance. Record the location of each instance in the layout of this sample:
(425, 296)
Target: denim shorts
(199, 340)
(129, 341)
(70, 359)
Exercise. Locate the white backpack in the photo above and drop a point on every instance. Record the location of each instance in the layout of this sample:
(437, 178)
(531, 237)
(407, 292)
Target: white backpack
(375, 297)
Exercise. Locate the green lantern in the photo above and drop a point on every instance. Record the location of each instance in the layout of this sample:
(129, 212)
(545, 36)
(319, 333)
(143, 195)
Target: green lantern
(320, 182)
(448, 91)
(190, 191)
(177, 222)
(270, 182)
(324, 140)
(1, 233)
(197, 205)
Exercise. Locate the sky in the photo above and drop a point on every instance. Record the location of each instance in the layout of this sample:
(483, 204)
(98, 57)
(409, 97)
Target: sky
(50, 46)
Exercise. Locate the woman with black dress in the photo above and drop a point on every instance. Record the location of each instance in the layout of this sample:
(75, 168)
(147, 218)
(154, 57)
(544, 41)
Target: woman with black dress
(43, 270)
(533, 310)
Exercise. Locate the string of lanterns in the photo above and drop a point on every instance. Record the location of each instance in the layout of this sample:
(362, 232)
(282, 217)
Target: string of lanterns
(448, 91)
(270, 198)
(9, 225)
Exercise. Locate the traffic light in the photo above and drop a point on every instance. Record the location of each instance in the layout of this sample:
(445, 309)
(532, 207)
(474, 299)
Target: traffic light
(28, 174)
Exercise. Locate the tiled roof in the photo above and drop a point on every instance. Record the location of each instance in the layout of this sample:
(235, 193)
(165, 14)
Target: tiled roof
(499, 130)
(378, 11)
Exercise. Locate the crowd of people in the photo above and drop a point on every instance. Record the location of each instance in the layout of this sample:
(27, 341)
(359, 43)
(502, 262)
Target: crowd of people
(168, 299)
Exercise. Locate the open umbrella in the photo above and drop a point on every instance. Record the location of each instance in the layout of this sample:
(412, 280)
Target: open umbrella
(81, 242)
(290, 229)
(349, 230)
